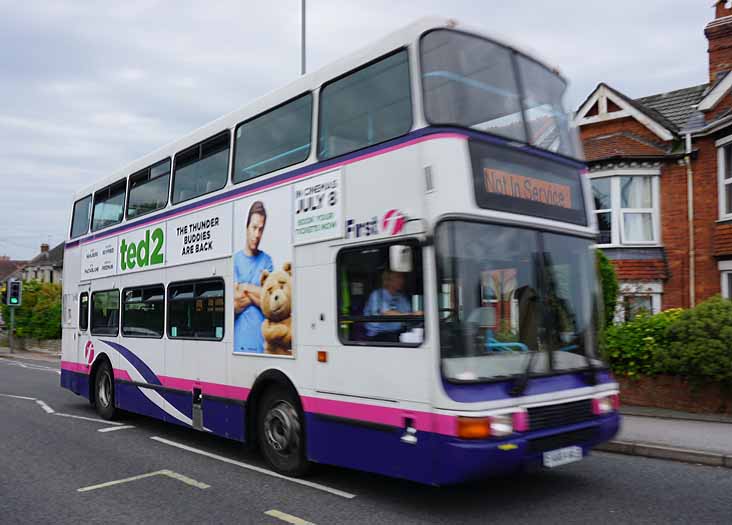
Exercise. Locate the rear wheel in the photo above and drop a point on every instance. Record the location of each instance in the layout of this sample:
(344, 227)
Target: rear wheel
(280, 432)
(104, 391)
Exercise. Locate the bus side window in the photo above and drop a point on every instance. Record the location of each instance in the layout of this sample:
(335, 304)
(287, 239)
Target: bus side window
(196, 310)
(376, 304)
(365, 107)
(105, 313)
(201, 169)
(143, 311)
(84, 311)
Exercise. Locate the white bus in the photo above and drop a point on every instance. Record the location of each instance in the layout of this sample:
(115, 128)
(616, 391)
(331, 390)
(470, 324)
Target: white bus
(387, 265)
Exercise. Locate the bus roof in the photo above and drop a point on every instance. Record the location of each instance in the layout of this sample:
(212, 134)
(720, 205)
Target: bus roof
(308, 82)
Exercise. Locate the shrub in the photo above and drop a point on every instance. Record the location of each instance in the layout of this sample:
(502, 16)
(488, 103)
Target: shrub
(633, 348)
(39, 316)
(700, 344)
(609, 284)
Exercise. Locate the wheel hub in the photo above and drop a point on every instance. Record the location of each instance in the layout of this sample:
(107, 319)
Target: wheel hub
(280, 427)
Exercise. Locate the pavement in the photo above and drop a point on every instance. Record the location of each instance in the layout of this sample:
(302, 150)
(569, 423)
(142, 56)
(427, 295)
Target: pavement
(59, 463)
(679, 436)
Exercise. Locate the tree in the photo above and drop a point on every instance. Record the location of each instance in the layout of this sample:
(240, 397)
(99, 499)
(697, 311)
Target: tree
(39, 316)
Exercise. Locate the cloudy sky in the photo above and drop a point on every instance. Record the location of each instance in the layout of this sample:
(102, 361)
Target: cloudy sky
(87, 87)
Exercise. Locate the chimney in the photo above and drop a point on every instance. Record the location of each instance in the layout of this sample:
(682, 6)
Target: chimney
(44, 247)
(719, 36)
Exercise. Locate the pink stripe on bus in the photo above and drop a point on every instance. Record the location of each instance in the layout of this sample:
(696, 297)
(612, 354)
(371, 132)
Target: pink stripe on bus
(212, 389)
(75, 367)
(425, 421)
(124, 375)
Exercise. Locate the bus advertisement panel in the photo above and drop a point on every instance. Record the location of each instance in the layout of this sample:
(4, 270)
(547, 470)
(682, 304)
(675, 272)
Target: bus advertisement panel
(263, 273)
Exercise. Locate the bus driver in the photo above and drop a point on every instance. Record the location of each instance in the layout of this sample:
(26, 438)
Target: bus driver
(248, 266)
(386, 301)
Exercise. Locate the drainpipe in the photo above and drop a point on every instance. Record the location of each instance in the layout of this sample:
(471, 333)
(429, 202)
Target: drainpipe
(690, 209)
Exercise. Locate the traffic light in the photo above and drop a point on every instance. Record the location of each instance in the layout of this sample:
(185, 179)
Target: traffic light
(15, 292)
(3, 293)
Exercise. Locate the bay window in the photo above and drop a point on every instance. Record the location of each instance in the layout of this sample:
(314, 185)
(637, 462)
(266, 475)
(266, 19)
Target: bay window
(626, 207)
(724, 175)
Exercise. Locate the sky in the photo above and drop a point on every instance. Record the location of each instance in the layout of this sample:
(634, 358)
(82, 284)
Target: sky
(87, 87)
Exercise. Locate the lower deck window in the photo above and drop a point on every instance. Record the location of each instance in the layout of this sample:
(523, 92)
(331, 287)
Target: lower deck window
(196, 310)
(105, 313)
(380, 305)
(143, 311)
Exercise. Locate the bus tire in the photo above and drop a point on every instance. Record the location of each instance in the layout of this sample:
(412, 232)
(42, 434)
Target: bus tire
(280, 432)
(104, 391)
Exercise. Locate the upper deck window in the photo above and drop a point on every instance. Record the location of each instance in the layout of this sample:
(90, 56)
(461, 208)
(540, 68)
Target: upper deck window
(80, 218)
(201, 169)
(148, 189)
(365, 107)
(472, 82)
(274, 140)
(109, 205)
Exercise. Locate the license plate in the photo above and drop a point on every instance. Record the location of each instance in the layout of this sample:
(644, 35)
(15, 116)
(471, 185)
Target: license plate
(562, 456)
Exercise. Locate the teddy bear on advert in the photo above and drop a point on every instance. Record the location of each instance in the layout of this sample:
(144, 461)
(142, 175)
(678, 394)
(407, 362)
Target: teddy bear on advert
(277, 309)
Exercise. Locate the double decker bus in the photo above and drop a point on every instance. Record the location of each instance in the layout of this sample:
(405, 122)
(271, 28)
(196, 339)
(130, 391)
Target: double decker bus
(387, 265)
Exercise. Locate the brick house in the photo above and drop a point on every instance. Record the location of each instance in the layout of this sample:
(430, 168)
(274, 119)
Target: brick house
(646, 156)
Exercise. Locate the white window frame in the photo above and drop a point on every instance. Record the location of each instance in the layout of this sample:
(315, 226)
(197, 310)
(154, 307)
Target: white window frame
(629, 288)
(725, 270)
(722, 144)
(617, 212)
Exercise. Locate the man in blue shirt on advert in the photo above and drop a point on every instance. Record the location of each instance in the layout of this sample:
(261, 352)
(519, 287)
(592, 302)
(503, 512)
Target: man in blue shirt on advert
(248, 266)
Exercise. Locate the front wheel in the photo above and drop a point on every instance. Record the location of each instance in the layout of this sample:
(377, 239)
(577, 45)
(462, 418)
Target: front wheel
(280, 432)
(104, 392)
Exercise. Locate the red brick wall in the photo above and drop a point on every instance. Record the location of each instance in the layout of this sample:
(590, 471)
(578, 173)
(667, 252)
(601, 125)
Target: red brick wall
(675, 235)
(706, 213)
(642, 270)
(674, 393)
(614, 126)
(723, 240)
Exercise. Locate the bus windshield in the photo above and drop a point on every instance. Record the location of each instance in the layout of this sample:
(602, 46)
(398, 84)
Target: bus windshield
(472, 82)
(507, 293)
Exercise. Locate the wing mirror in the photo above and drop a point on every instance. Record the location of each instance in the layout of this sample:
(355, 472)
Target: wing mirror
(400, 258)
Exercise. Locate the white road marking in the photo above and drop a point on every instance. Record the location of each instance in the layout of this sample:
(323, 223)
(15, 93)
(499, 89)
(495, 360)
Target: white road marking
(18, 397)
(95, 420)
(289, 518)
(45, 407)
(112, 429)
(50, 410)
(30, 366)
(310, 484)
(180, 477)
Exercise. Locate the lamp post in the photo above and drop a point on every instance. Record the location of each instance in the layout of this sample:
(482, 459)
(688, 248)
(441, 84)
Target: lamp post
(302, 37)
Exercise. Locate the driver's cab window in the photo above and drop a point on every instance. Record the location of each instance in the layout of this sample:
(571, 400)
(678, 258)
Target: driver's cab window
(380, 295)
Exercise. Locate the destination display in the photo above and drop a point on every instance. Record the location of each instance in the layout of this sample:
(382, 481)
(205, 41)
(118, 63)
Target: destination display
(511, 181)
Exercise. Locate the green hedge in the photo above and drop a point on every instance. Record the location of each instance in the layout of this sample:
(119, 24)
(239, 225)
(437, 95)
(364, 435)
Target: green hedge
(39, 316)
(632, 348)
(695, 343)
(700, 343)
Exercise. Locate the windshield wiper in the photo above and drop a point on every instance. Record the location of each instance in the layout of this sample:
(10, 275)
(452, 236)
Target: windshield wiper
(522, 381)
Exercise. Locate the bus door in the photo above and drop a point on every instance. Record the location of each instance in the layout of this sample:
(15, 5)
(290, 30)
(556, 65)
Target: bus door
(374, 387)
(83, 333)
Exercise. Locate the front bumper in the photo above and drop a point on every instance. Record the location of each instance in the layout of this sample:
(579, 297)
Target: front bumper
(461, 460)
